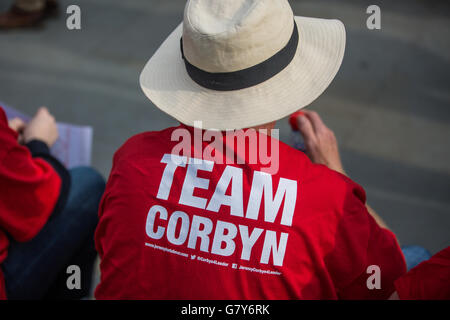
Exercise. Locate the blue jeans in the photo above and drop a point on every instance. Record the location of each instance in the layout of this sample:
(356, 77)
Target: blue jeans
(37, 269)
(415, 255)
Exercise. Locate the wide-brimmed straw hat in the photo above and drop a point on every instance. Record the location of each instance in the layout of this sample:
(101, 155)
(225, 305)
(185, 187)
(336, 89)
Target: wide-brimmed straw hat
(235, 64)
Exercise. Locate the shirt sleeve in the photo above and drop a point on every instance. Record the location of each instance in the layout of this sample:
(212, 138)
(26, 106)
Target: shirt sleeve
(40, 149)
(430, 280)
(30, 187)
(359, 244)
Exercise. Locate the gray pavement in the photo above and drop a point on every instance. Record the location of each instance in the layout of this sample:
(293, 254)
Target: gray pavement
(389, 104)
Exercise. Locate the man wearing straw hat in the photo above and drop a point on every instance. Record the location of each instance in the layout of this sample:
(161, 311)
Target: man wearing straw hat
(191, 213)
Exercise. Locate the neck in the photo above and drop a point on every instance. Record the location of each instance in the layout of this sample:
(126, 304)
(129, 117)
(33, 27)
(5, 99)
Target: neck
(268, 126)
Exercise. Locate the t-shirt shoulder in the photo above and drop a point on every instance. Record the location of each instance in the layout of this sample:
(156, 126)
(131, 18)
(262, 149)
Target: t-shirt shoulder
(143, 141)
(333, 186)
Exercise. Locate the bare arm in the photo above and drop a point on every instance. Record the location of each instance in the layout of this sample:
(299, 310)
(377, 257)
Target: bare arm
(322, 147)
(377, 218)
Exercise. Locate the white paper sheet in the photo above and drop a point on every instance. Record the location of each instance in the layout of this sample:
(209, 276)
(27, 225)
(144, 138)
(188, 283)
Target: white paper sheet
(74, 145)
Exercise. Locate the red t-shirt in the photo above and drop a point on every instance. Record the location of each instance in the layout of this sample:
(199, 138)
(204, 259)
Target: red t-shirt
(29, 190)
(177, 229)
(430, 280)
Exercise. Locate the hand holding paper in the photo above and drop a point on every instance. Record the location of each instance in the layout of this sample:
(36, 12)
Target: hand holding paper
(71, 144)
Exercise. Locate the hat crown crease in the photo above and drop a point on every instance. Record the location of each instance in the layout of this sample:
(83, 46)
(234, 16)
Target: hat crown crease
(227, 36)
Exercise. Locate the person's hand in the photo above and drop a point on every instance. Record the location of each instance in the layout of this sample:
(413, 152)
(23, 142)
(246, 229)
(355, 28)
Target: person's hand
(320, 142)
(42, 127)
(17, 125)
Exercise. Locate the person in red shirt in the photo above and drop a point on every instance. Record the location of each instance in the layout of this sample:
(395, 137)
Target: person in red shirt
(47, 213)
(430, 280)
(218, 207)
(332, 241)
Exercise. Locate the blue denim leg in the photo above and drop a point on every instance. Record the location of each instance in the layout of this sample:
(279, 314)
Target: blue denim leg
(33, 269)
(415, 255)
